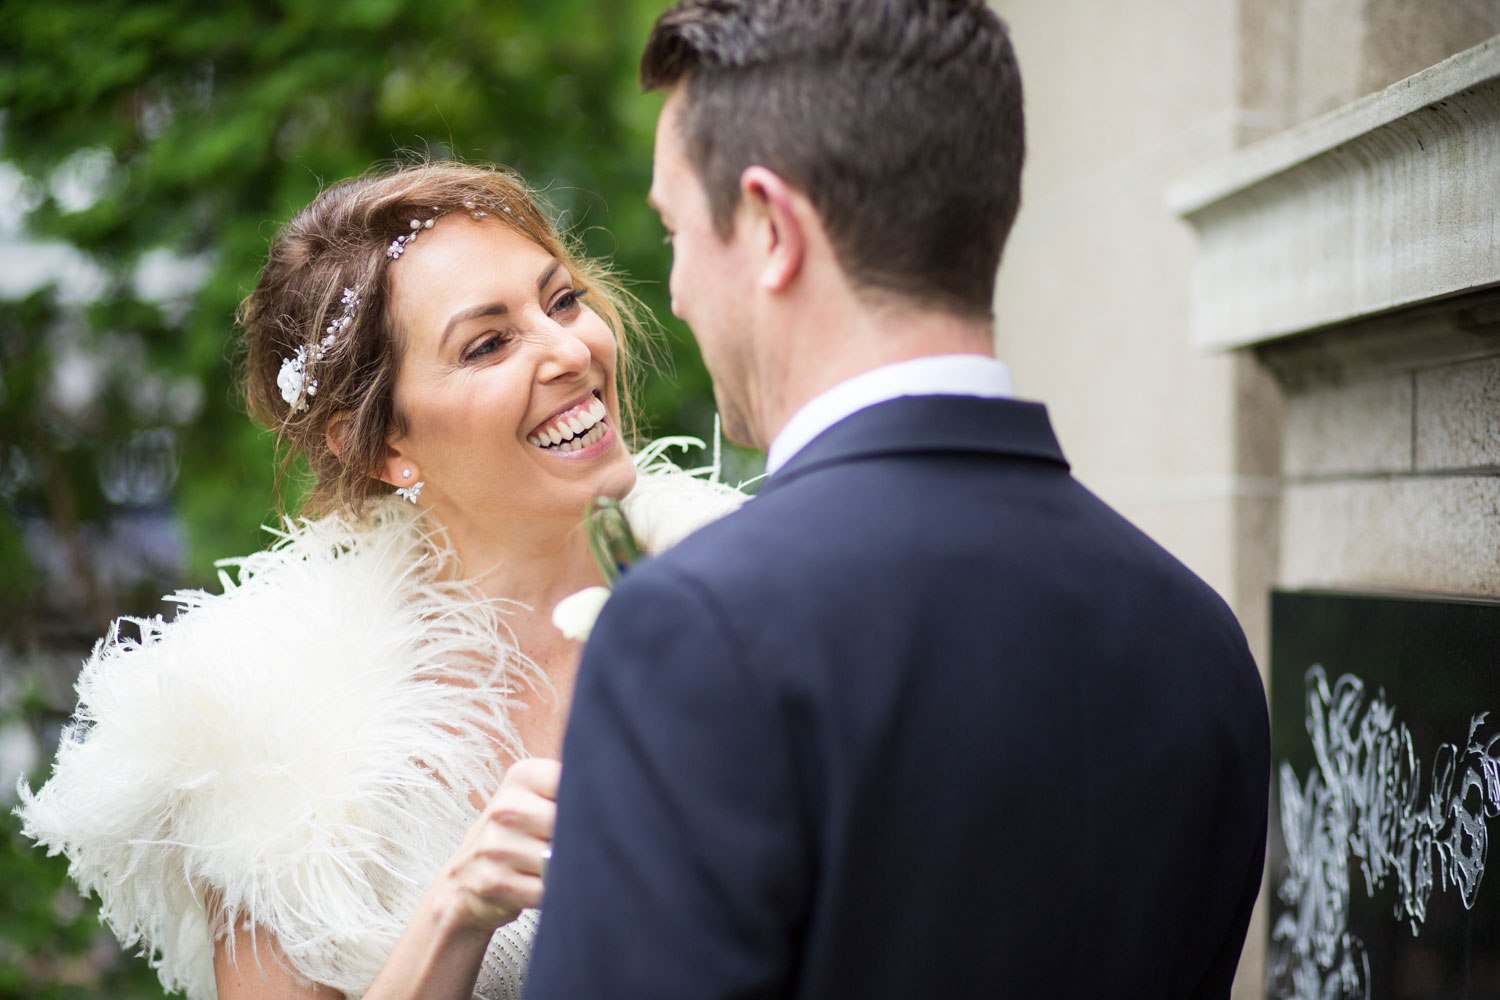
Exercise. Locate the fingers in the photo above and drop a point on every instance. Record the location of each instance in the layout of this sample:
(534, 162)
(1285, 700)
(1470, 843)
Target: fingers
(497, 870)
(539, 774)
(527, 799)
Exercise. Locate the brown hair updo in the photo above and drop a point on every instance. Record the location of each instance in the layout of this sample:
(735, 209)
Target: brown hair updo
(342, 241)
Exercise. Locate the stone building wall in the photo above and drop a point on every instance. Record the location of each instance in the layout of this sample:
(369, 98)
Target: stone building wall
(1357, 451)
(1392, 452)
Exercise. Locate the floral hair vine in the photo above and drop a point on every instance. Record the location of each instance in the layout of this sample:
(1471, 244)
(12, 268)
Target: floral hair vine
(296, 379)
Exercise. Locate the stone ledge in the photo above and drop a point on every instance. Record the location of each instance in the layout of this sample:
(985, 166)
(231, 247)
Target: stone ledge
(1390, 201)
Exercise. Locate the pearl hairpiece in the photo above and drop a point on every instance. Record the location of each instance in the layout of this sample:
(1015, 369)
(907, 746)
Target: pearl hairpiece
(295, 379)
(398, 245)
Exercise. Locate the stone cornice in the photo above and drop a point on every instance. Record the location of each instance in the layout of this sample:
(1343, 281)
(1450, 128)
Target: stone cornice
(1387, 202)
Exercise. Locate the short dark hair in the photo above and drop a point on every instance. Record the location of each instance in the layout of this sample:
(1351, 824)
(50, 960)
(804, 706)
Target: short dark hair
(899, 119)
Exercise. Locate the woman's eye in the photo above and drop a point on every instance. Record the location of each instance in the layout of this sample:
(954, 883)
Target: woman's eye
(488, 344)
(568, 301)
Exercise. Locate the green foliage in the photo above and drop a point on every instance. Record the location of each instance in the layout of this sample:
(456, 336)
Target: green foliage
(168, 135)
(203, 126)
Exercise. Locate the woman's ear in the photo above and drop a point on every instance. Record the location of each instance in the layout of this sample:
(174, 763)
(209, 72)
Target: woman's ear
(333, 434)
(399, 470)
(395, 468)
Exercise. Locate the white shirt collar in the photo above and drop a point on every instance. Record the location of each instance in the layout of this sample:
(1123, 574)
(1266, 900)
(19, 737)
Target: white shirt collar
(940, 375)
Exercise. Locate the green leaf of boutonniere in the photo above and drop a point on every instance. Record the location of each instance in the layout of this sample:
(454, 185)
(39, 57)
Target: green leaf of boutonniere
(613, 543)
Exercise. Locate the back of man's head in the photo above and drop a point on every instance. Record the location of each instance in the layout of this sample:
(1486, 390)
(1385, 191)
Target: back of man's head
(899, 119)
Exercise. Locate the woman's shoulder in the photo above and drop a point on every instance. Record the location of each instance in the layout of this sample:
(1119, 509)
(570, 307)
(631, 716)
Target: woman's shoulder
(274, 743)
(316, 589)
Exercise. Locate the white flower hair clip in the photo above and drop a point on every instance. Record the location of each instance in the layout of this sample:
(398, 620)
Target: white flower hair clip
(296, 380)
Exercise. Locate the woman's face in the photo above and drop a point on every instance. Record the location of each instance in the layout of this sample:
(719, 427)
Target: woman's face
(506, 383)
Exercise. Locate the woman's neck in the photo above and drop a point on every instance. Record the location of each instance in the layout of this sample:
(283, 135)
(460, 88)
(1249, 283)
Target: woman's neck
(534, 565)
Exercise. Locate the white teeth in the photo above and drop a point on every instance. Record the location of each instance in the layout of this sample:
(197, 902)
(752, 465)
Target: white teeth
(589, 437)
(581, 429)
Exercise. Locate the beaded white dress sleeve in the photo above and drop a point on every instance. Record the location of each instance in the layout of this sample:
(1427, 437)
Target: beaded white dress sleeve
(302, 747)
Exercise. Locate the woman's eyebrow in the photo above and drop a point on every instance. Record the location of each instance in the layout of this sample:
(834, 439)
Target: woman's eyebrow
(493, 308)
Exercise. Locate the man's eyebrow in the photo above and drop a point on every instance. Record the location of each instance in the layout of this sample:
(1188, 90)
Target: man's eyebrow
(493, 308)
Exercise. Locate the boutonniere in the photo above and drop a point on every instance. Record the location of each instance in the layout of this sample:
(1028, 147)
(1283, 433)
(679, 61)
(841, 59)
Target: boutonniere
(615, 549)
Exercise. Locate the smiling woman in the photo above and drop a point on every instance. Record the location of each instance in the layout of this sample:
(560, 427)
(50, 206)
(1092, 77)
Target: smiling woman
(336, 776)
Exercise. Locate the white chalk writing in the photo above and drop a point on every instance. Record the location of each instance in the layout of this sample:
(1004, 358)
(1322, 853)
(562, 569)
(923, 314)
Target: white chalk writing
(1362, 799)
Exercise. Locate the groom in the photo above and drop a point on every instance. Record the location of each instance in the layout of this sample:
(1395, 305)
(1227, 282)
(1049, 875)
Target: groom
(925, 718)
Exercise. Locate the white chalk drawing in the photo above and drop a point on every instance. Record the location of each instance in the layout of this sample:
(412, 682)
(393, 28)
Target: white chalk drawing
(1363, 799)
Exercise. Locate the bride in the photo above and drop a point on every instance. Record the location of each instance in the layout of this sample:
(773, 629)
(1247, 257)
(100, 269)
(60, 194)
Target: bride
(336, 776)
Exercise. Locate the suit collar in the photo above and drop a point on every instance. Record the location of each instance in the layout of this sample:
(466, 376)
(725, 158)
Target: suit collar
(929, 375)
(931, 424)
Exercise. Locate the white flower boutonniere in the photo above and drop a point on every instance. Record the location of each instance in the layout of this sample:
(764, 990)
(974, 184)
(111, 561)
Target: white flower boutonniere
(575, 614)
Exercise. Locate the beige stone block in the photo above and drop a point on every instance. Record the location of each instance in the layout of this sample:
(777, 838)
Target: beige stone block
(1107, 83)
(1250, 977)
(1092, 300)
(1259, 415)
(1327, 75)
(1402, 37)
(1290, 72)
(1358, 427)
(1427, 534)
(1255, 526)
(1458, 416)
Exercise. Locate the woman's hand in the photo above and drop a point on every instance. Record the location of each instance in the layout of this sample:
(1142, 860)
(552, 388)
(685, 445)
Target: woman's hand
(492, 877)
(496, 871)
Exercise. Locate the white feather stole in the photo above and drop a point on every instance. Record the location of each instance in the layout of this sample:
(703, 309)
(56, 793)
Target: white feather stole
(279, 746)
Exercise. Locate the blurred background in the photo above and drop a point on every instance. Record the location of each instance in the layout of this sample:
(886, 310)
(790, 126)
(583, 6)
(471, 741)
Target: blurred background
(148, 152)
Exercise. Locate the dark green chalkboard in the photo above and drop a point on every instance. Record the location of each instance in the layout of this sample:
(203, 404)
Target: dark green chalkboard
(1385, 746)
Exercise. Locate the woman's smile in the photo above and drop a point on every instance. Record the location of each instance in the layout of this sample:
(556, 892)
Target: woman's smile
(499, 338)
(573, 430)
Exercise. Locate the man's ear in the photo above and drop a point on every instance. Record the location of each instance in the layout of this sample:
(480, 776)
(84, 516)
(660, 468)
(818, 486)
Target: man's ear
(775, 210)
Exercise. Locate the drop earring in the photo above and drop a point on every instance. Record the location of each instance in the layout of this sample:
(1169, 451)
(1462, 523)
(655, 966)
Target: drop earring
(409, 492)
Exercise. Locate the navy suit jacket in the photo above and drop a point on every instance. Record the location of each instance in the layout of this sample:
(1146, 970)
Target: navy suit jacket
(924, 718)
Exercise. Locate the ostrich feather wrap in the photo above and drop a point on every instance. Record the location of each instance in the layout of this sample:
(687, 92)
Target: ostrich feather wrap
(304, 747)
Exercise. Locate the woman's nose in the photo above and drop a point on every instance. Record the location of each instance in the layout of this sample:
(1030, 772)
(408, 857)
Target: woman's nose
(565, 355)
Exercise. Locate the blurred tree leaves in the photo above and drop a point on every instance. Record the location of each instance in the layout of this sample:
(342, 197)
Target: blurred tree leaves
(153, 147)
(196, 129)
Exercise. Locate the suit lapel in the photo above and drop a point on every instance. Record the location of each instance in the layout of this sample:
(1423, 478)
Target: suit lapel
(931, 424)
